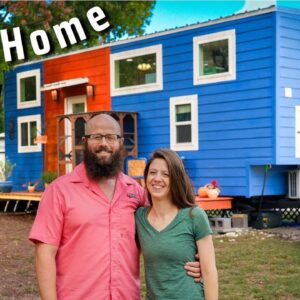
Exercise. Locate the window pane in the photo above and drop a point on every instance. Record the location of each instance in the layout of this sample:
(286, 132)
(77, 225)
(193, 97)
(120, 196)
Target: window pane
(79, 131)
(213, 57)
(135, 71)
(183, 113)
(28, 89)
(24, 134)
(183, 134)
(33, 132)
(78, 108)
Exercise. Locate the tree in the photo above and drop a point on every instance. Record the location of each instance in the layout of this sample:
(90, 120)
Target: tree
(126, 18)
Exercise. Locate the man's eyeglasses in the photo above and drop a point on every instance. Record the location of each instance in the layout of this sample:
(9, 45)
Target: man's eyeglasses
(97, 137)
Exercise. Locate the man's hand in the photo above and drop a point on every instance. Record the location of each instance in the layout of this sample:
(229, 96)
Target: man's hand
(193, 269)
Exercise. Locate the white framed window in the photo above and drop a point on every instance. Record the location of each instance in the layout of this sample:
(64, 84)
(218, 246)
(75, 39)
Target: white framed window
(214, 57)
(184, 123)
(28, 128)
(136, 71)
(28, 89)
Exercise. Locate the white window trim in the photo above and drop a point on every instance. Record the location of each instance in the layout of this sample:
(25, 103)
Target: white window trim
(158, 85)
(37, 101)
(231, 74)
(194, 144)
(27, 119)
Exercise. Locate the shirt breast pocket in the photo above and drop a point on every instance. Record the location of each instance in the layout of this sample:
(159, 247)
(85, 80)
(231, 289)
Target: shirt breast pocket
(128, 223)
(127, 206)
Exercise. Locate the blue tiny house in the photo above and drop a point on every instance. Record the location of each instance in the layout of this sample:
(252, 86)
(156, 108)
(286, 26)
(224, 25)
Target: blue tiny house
(224, 94)
(227, 98)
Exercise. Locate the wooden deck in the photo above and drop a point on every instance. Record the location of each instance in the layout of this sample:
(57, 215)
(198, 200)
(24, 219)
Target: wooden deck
(205, 203)
(26, 196)
(19, 196)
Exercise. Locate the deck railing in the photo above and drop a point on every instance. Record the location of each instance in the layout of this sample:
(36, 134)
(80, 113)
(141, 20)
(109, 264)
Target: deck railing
(71, 128)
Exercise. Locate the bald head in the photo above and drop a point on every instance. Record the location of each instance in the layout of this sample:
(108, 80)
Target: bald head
(102, 123)
(103, 147)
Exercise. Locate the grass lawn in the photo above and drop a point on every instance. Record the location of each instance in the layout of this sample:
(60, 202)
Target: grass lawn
(256, 265)
(253, 265)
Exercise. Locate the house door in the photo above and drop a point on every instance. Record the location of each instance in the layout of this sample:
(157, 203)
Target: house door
(297, 132)
(74, 105)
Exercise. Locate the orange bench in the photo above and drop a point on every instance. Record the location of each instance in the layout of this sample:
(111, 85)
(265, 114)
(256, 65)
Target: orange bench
(214, 203)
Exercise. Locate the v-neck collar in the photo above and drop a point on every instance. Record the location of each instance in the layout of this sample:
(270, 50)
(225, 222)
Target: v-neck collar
(177, 219)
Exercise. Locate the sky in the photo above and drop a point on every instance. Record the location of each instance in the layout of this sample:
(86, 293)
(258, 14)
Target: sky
(170, 14)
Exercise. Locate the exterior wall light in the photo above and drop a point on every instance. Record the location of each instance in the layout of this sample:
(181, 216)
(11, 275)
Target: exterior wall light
(54, 95)
(90, 90)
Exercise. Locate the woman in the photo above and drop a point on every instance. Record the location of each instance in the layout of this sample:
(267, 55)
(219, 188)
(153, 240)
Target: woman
(171, 231)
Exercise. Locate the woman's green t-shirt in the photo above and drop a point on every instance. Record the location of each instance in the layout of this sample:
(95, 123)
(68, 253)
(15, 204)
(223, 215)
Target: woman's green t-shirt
(166, 252)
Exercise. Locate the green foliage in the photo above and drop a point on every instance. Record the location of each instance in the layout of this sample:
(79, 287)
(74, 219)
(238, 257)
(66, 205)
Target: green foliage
(6, 169)
(48, 176)
(1, 99)
(126, 18)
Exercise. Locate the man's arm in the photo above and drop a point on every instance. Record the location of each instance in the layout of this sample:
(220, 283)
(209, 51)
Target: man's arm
(193, 269)
(46, 270)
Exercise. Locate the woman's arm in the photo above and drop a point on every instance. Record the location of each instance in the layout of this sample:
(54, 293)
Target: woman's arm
(208, 267)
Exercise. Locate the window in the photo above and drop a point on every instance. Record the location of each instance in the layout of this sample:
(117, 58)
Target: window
(136, 71)
(28, 89)
(214, 57)
(28, 128)
(184, 123)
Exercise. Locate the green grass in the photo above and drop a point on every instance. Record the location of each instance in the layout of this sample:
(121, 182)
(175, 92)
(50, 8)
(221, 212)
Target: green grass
(255, 266)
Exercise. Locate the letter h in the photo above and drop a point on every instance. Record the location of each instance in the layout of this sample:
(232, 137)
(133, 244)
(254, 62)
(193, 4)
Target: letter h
(7, 45)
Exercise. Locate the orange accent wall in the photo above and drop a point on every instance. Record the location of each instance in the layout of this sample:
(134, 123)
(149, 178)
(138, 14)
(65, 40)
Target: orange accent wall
(91, 64)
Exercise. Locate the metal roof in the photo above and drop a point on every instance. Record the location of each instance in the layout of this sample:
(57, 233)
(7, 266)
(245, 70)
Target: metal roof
(209, 22)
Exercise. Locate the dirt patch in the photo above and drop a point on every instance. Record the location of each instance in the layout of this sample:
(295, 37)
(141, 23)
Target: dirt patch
(291, 233)
(18, 280)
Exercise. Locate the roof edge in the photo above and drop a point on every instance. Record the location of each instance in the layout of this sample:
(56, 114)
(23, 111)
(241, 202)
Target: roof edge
(237, 16)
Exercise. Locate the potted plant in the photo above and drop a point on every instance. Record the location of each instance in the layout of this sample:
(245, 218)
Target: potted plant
(48, 177)
(31, 186)
(211, 190)
(6, 169)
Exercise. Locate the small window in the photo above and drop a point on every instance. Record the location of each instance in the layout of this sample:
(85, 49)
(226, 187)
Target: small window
(28, 128)
(184, 123)
(136, 71)
(28, 89)
(214, 57)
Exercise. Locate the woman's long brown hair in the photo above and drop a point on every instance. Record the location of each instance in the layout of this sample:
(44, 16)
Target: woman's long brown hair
(181, 188)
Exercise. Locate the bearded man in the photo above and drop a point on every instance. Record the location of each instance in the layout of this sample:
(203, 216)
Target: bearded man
(84, 231)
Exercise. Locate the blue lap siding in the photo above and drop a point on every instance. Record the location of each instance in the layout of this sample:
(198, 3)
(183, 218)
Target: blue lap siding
(288, 76)
(238, 129)
(28, 165)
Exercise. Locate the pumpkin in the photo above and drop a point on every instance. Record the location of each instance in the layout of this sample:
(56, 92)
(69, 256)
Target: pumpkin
(202, 192)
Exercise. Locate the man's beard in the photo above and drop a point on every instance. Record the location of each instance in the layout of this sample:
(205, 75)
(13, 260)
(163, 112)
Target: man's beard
(97, 167)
